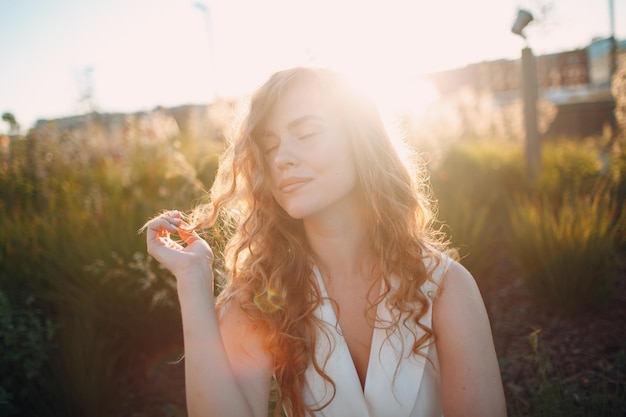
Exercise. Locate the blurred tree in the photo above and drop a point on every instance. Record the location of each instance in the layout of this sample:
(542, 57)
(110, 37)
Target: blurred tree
(14, 126)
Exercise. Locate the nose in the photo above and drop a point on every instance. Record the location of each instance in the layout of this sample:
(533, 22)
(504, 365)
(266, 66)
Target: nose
(285, 156)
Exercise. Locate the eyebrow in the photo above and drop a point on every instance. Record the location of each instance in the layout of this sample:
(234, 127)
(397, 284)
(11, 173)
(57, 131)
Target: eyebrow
(295, 123)
(301, 120)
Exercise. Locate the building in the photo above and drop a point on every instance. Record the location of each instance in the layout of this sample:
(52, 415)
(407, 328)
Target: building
(577, 81)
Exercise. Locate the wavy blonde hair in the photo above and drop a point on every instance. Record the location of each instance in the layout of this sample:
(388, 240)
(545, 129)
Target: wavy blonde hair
(267, 259)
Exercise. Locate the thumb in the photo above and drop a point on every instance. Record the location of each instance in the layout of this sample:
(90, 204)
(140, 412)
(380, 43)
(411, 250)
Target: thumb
(187, 234)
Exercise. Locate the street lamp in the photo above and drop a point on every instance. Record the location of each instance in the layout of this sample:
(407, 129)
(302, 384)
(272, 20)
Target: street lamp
(613, 62)
(529, 95)
(204, 8)
(523, 19)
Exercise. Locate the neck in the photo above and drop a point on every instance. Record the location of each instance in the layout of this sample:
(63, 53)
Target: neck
(339, 246)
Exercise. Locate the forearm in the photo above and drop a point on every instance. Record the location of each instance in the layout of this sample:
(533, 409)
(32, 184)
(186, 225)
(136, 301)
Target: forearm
(211, 387)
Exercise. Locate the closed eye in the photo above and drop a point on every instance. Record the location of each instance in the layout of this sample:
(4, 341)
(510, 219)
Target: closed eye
(308, 135)
(269, 142)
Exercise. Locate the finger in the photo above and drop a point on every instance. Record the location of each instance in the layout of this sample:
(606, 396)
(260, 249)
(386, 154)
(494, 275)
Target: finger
(172, 213)
(173, 245)
(172, 216)
(186, 234)
(160, 227)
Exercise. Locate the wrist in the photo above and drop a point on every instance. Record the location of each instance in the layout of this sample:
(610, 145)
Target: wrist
(195, 276)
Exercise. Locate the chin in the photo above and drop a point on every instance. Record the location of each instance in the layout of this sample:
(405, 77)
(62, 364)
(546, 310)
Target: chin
(298, 211)
(298, 214)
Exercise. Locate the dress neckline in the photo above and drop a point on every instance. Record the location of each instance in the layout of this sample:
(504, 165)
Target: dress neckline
(334, 321)
(394, 373)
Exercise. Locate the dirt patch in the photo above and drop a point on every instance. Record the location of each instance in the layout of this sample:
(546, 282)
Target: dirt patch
(577, 356)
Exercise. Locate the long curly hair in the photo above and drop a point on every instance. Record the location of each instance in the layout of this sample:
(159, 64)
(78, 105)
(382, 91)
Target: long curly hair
(267, 259)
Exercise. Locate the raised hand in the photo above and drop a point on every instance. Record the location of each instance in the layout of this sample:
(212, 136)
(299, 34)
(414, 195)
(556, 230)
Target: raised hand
(193, 254)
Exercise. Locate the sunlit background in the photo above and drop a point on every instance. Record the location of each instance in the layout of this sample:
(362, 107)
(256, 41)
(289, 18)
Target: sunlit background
(132, 55)
(114, 110)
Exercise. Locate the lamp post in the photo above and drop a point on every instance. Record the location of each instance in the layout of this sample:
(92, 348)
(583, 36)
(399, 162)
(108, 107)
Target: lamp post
(529, 95)
(204, 8)
(613, 59)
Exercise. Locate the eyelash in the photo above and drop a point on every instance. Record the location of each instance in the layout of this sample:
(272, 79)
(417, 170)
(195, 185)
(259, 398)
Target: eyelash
(301, 137)
(308, 135)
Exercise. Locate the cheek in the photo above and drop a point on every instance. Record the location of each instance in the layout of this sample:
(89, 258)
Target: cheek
(335, 156)
(344, 172)
(271, 175)
(346, 162)
(351, 174)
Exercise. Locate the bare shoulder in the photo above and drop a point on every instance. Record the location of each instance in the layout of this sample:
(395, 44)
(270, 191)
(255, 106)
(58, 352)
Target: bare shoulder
(459, 306)
(470, 375)
(458, 282)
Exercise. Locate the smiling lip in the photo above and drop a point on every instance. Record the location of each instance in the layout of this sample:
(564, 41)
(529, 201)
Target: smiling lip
(292, 183)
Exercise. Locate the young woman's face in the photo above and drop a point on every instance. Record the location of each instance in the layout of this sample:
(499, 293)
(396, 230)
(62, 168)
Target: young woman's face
(310, 162)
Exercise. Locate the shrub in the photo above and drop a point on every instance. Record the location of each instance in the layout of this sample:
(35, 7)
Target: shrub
(71, 203)
(473, 186)
(573, 169)
(25, 336)
(565, 254)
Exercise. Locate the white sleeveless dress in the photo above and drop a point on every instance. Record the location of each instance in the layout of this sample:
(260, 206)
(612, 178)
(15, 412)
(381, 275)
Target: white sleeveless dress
(415, 391)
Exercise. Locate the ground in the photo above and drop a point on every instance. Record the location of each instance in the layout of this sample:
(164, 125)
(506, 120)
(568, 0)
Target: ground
(575, 357)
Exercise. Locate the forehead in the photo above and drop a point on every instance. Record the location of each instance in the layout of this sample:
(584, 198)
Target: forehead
(298, 100)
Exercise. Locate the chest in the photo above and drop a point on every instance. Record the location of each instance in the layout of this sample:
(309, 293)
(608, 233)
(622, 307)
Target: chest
(355, 311)
(385, 378)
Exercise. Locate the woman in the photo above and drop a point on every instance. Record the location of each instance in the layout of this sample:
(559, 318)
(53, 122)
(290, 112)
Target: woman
(338, 290)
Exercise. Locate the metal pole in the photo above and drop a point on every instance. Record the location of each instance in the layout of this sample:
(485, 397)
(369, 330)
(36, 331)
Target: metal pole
(612, 16)
(208, 20)
(613, 63)
(529, 95)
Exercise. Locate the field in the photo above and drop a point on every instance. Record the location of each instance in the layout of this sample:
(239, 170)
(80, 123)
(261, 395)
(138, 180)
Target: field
(89, 324)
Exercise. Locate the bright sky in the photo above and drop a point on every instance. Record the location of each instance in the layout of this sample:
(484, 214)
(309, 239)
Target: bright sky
(145, 53)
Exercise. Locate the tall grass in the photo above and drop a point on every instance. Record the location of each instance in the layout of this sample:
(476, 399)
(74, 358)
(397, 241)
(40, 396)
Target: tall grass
(560, 232)
(70, 205)
(473, 185)
(566, 254)
(83, 305)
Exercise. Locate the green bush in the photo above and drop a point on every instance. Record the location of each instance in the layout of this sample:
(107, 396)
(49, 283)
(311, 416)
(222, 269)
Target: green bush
(565, 254)
(74, 274)
(71, 203)
(473, 186)
(573, 169)
(484, 173)
(560, 231)
(26, 337)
